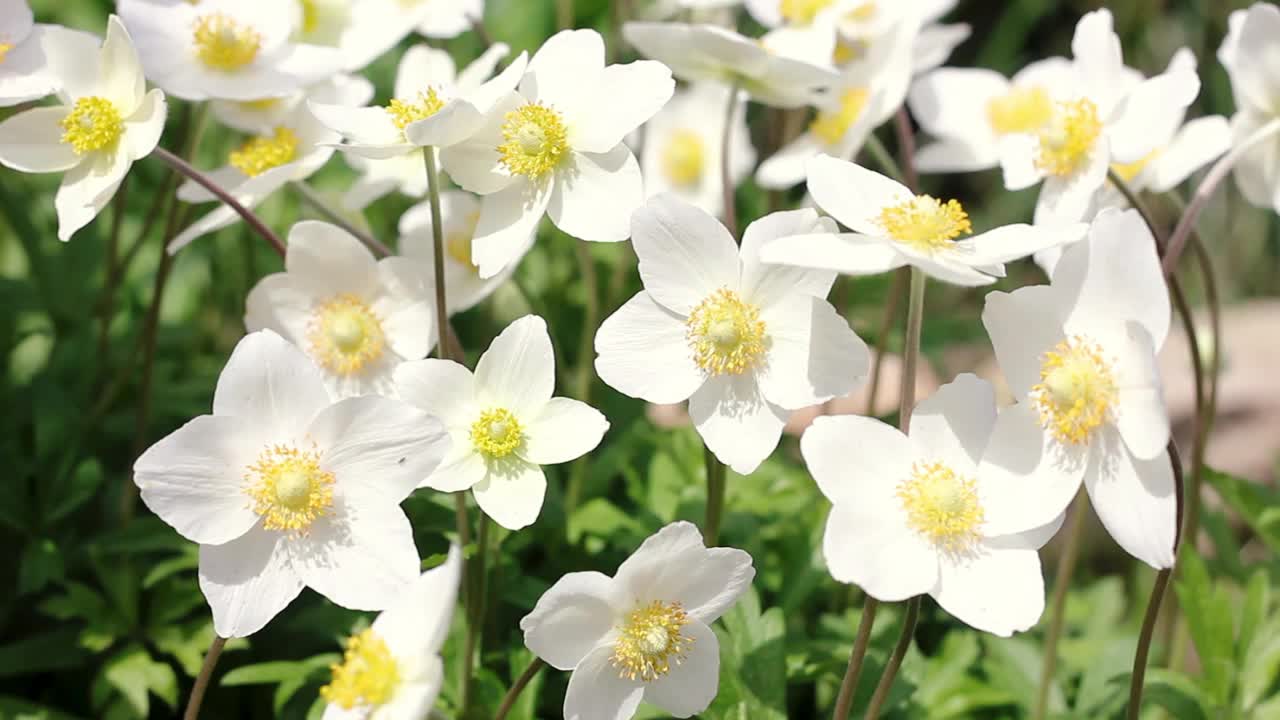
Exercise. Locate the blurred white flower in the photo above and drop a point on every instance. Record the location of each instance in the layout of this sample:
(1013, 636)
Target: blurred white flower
(745, 343)
(363, 30)
(261, 117)
(104, 120)
(34, 58)
(503, 420)
(283, 488)
(1249, 53)
(643, 634)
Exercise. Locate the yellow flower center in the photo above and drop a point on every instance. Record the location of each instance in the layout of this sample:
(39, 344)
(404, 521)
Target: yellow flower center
(263, 153)
(1021, 110)
(536, 141)
(926, 223)
(405, 113)
(831, 125)
(847, 50)
(942, 507)
(345, 335)
(223, 43)
(4, 50)
(261, 104)
(1076, 392)
(458, 242)
(651, 640)
(368, 676)
(310, 16)
(802, 12)
(683, 158)
(288, 488)
(496, 433)
(1068, 137)
(93, 124)
(726, 334)
(1129, 171)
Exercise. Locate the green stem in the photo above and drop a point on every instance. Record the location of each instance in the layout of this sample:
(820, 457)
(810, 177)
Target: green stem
(895, 660)
(317, 203)
(730, 211)
(859, 653)
(202, 680)
(892, 298)
(585, 365)
(564, 14)
(883, 158)
(521, 682)
(443, 345)
(207, 183)
(911, 351)
(715, 498)
(906, 149)
(1057, 613)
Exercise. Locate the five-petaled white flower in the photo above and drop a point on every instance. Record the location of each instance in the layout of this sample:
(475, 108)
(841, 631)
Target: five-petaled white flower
(504, 422)
(1080, 358)
(643, 634)
(1249, 55)
(34, 58)
(744, 342)
(284, 488)
(104, 121)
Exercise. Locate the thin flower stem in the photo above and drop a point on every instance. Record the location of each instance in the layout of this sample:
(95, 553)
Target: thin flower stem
(468, 598)
(726, 162)
(906, 149)
(583, 370)
(715, 497)
(895, 660)
(204, 181)
(1057, 616)
(481, 30)
(564, 14)
(202, 680)
(106, 307)
(859, 653)
(883, 158)
(521, 682)
(479, 579)
(444, 346)
(892, 299)
(313, 200)
(911, 350)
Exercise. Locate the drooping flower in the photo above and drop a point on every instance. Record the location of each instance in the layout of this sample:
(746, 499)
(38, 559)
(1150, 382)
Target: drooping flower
(104, 121)
(1249, 55)
(282, 488)
(503, 420)
(643, 634)
(745, 343)
(35, 57)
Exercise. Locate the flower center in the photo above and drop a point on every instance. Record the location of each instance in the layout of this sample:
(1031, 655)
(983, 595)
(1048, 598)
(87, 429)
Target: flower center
(4, 50)
(726, 334)
(288, 488)
(802, 12)
(536, 141)
(942, 506)
(1076, 392)
(831, 125)
(1068, 137)
(263, 153)
(404, 113)
(345, 335)
(683, 158)
(368, 676)
(310, 16)
(1021, 110)
(223, 43)
(650, 641)
(458, 242)
(496, 433)
(93, 124)
(926, 223)
(1129, 171)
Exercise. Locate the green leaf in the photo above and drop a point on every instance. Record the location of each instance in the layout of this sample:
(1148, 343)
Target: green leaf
(1260, 667)
(269, 673)
(40, 565)
(137, 677)
(42, 652)
(12, 708)
(1210, 617)
(1257, 599)
(1254, 503)
(70, 492)
(1174, 692)
(752, 662)
(1013, 664)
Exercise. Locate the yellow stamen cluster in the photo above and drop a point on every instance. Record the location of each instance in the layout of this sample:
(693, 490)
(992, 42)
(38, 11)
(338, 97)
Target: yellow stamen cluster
(942, 506)
(726, 334)
(683, 158)
(1021, 110)
(802, 12)
(496, 433)
(650, 641)
(405, 113)
(288, 488)
(262, 153)
(1129, 171)
(536, 141)
(831, 125)
(93, 124)
(223, 43)
(368, 676)
(345, 335)
(926, 223)
(1068, 137)
(1076, 392)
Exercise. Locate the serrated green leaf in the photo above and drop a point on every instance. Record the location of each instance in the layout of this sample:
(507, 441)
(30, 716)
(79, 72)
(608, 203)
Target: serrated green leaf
(137, 676)
(1261, 666)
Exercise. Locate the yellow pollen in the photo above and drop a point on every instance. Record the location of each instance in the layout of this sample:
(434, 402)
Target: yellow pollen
(1021, 110)
(862, 13)
(458, 242)
(848, 50)
(4, 50)
(260, 105)
(368, 676)
(802, 12)
(403, 114)
(1068, 137)
(831, 125)
(496, 433)
(683, 158)
(942, 506)
(288, 488)
(1129, 171)
(926, 223)
(93, 124)
(726, 334)
(310, 16)
(1076, 392)
(223, 43)
(345, 335)
(650, 641)
(262, 153)
(536, 140)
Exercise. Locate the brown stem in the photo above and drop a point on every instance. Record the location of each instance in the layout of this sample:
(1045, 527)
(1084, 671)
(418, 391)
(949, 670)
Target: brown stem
(513, 694)
(203, 180)
(202, 680)
(906, 149)
(895, 660)
(730, 211)
(317, 203)
(1066, 567)
(859, 653)
(437, 255)
(892, 298)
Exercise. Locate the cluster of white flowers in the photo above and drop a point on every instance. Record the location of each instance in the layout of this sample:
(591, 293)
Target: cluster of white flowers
(329, 414)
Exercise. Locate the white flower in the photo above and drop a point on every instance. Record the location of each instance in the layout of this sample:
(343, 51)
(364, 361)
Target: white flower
(504, 423)
(282, 488)
(911, 513)
(683, 146)
(1080, 358)
(35, 57)
(225, 49)
(892, 227)
(355, 316)
(745, 343)
(392, 670)
(1249, 55)
(643, 634)
(460, 211)
(363, 30)
(104, 121)
(259, 117)
(556, 147)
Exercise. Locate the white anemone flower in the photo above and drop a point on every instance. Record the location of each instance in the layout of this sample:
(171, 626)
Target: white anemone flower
(745, 343)
(911, 513)
(35, 57)
(104, 120)
(355, 316)
(684, 142)
(261, 117)
(1249, 55)
(556, 147)
(282, 488)
(363, 30)
(392, 670)
(1079, 355)
(503, 420)
(893, 227)
(643, 634)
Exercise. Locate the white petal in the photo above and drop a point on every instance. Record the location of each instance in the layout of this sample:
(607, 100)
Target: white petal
(86, 189)
(421, 67)
(848, 253)
(443, 388)
(952, 102)
(673, 564)
(1014, 242)
(325, 260)
(690, 686)
(272, 385)
(765, 284)
(571, 618)
(1098, 59)
(31, 141)
(512, 493)
(1141, 416)
(856, 459)
(452, 124)
(144, 127)
(507, 219)
(1150, 114)
(1027, 478)
(814, 355)
(625, 97)
(956, 155)
(597, 692)
(1198, 143)
(564, 70)
(480, 70)
(247, 581)
(362, 557)
(997, 589)
(685, 254)
(518, 371)
(642, 352)
(1023, 325)
(595, 194)
(788, 166)
(420, 618)
(120, 79)
(1256, 69)
(564, 430)
(878, 553)
(853, 194)
(954, 423)
(1018, 155)
(1066, 199)
(736, 422)
(1135, 500)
